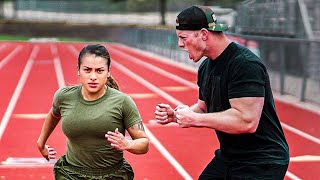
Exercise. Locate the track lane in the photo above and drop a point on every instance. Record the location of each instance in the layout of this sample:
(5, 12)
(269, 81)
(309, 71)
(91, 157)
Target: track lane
(19, 140)
(10, 74)
(172, 137)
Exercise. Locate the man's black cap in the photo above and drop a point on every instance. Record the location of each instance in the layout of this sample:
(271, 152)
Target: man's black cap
(198, 17)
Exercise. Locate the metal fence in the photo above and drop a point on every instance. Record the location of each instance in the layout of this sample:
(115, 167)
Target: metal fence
(285, 18)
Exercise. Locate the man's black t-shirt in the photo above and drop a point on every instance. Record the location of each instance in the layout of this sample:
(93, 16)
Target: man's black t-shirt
(237, 73)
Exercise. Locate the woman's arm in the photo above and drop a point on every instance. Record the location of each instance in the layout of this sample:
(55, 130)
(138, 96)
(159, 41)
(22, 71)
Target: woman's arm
(139, 143)
(48, 126)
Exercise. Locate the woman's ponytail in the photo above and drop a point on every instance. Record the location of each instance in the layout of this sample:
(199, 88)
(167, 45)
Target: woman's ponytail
(112, 83)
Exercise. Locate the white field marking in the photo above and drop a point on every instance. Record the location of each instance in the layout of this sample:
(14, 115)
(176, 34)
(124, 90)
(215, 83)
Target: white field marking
(17, 91)
(73, 50)
(152, 138)
(9, 57)
(142, 95)
(175, 88)
(16, 162)
(57, 65)
(305, 158)
(30, 116)
(292, 176)
(5, 166)
(158, 70)
(44, 61)
(300, 133)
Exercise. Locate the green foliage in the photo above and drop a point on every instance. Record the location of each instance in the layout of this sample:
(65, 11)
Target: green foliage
(4, 37)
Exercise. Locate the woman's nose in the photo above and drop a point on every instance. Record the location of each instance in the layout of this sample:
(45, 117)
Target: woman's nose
(93, 76)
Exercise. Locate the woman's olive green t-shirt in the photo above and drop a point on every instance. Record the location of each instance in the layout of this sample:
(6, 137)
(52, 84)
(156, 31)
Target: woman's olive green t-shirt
(85, 124)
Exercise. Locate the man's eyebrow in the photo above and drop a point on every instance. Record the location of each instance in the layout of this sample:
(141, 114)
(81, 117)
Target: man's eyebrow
(96, 68)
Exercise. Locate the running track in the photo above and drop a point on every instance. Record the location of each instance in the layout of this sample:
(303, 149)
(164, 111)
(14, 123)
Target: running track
(30, 73)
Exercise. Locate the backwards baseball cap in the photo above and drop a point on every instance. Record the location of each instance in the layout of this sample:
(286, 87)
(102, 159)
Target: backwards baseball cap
(198, 17)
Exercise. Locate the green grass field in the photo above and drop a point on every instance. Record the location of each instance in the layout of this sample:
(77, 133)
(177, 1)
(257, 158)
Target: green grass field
(25, 38)
(13, 38)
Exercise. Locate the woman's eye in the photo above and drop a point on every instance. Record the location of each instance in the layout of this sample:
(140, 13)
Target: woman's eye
(100, 71)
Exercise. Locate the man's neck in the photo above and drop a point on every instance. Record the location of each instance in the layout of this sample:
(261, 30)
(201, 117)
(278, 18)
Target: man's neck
(216, 46)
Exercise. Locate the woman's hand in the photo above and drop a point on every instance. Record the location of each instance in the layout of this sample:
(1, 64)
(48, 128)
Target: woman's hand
(48, 152)
(117, 140)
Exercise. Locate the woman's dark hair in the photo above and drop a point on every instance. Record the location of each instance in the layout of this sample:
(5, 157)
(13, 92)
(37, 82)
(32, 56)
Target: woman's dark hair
(100, 51)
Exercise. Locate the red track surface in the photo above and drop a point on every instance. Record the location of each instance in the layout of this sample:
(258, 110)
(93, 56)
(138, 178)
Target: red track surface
(190, 149)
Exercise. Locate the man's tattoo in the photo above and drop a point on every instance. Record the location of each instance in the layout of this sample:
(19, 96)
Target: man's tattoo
(138, 126)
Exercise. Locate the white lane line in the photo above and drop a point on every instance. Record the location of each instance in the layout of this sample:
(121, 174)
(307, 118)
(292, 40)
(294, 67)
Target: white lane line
(17, 91)
(5, 166)
(30, 162)
(57, 66)
(292, 176)
(153, 139)
(305, 158)
(157, 70)
(301, 133)
(9, 57)
(167, 155)
(30, 116)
